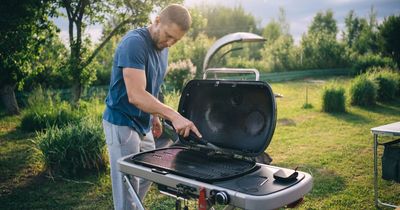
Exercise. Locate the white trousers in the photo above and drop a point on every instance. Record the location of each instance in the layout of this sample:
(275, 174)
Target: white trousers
(122, 141)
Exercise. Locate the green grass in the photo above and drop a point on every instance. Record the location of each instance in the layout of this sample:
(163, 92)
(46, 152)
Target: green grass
(336, 149)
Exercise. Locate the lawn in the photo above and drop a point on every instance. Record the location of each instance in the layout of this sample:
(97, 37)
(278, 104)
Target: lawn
(336, 149)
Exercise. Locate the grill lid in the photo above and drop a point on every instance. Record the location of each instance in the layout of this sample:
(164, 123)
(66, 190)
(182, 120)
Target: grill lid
(237, 116)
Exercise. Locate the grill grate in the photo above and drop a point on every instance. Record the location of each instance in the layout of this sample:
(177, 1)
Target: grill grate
(194, 164)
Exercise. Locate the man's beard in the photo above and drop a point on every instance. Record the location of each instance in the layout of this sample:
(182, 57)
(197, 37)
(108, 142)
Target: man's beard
(156, 40)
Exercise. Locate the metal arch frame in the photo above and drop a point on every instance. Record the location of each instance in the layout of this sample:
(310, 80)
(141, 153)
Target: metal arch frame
(232, 71)
(228, 39)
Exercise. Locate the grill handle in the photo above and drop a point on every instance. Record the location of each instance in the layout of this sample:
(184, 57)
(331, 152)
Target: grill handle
(232, 71)
(192, 136)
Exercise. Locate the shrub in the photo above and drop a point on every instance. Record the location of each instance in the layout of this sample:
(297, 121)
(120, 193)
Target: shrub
(178, 74)
(73, 150)
(363, 91)
(398, 85)
(172, 99)
(364, 62)
(333, 99)
(45, 109)
(42, 117)
(387, 83)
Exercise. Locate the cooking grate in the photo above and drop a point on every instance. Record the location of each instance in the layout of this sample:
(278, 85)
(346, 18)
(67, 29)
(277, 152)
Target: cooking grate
(194, 164)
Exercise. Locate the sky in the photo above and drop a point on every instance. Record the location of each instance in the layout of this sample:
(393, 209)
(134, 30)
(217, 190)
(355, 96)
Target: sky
(299, 14)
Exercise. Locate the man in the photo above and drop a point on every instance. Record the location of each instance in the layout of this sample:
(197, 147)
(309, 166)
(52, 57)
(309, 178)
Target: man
(139, 67)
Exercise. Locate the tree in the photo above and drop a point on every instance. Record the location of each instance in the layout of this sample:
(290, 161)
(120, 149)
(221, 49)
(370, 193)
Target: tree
(51, 59)
(223, 20)
(193, 48)
(279, 55)
(199, 23)
(320, 49)
(353, 28)
(272, 32)
(23, 28)
(360, 34)
(389, 31)
(104, 61)
(368, 39)
(279, 44)
(82, 13)
(324, 23)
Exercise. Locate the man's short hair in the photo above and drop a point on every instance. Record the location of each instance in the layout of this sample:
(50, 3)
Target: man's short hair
(177, 14)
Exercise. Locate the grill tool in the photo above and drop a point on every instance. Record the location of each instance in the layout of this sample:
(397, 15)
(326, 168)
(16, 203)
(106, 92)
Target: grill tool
(192, 139)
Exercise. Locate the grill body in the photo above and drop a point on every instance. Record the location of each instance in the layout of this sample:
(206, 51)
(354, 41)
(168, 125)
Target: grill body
(238, 117)
(253, 190)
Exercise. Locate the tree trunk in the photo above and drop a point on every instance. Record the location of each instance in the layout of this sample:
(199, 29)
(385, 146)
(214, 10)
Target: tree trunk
(76, 92)
(7, 96)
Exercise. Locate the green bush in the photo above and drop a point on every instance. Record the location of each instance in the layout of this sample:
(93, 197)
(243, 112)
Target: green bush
(364, 62)
(398, 85)
(42, 117)
(363, 91)
(387, 81)
(333, 99)
(179, 74)
(45, 109)
(74, 150)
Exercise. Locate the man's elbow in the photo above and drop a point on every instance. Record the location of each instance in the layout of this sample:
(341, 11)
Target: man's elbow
(134, 100)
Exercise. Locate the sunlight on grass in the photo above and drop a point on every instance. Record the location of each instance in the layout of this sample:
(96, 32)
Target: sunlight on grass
(336, 149)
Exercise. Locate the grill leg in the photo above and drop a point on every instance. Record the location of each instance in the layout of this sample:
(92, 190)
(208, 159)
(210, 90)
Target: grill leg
(137, 204)
(376, 171)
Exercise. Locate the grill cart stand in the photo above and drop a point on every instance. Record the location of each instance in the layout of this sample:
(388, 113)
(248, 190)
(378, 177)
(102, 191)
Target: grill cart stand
(392, 129)
(223, 192)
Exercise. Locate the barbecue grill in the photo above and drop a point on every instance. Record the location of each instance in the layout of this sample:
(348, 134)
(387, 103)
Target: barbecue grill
(237, 120)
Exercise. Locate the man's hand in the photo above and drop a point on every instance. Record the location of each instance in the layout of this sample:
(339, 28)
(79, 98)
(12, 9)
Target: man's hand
(183, 126)
(156, 128)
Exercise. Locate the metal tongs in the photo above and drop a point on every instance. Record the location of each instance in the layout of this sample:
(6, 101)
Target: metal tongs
(192, 138)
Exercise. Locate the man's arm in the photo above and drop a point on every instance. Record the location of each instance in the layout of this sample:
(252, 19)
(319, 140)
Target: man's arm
(135, 82)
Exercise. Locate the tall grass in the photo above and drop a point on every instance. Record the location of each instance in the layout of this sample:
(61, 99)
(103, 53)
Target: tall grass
(387, 82)
(363, 91)
(74, 149)
(333, 98)
(70, 137)
(45, 109)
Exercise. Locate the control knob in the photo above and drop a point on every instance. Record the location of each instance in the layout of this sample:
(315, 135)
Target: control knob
(222, 198)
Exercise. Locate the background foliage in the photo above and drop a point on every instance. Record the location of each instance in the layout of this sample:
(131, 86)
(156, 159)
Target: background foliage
(69, 141)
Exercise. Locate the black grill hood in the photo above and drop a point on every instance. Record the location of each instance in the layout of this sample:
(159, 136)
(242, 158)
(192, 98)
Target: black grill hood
(237, 116)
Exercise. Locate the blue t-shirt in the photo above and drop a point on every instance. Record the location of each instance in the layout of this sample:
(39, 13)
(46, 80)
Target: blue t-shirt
(136, 50)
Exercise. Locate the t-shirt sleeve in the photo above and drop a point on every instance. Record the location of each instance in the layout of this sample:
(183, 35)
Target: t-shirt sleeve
(132, 53)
